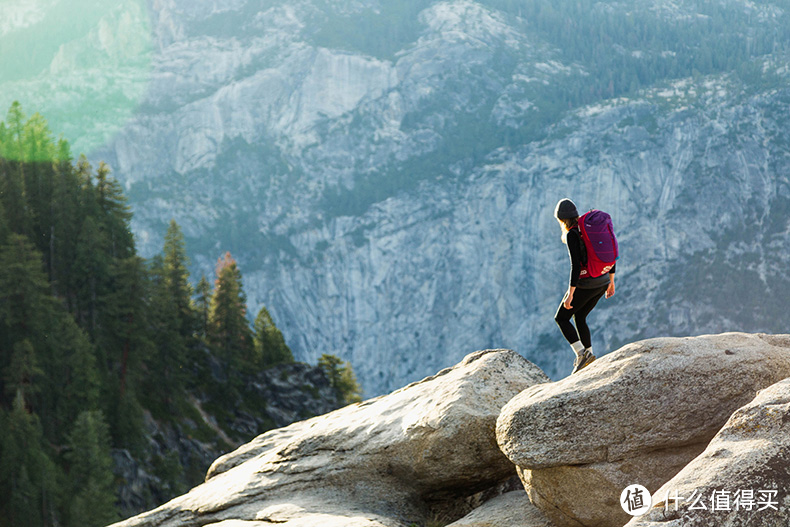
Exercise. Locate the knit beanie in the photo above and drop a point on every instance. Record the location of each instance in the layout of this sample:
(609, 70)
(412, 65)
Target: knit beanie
(565, 210)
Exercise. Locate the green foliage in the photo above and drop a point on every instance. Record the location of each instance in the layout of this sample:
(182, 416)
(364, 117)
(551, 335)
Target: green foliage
(92, 337)
(176, 279)
(124, 346)
(90, 271)
(202, 305)
(168, 469)
(170, 344)
(3, 223)
(28, 477)
(70, 286)
(79, 388)
(229, 331)
(22, 375)
(270, 347)
(90, 474)
(341, 378)
(126, 422)
(24, 292)
(115, 214)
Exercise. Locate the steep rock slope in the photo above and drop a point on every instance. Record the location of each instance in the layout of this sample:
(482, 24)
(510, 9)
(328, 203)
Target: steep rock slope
(388, 461)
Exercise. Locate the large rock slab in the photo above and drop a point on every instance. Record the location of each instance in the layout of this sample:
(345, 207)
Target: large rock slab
(748, 460)
(636, 415)
(388, 462)
(588, 495)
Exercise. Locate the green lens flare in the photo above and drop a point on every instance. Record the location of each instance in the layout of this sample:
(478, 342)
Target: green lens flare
(83, 64)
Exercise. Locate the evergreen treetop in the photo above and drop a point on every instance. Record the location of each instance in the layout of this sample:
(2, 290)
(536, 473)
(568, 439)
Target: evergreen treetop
(270, 347)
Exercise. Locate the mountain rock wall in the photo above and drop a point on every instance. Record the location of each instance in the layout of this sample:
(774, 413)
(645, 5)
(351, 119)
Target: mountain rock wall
(385, 173)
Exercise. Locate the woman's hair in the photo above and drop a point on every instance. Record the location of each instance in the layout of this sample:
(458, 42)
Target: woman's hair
(567, 224)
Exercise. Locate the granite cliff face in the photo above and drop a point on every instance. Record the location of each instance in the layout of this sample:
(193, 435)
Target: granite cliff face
(385, 173)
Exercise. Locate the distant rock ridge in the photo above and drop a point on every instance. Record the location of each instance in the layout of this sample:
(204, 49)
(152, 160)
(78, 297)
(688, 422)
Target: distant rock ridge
(385, 171)
(430, 453)
(336, 170)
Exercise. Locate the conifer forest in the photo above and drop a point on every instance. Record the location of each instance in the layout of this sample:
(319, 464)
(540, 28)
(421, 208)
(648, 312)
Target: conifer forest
(93, 337)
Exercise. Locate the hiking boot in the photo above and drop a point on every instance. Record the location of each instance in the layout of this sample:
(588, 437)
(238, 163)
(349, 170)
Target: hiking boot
(580, 359)
(584, 359)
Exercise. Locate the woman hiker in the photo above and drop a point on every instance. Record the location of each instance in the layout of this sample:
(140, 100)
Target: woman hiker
(583, 293)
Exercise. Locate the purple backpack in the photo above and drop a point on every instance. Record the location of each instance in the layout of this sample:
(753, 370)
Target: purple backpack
(600, 243)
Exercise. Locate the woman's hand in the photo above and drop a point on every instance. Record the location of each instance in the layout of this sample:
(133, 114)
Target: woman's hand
(566, 302)
(610, 289)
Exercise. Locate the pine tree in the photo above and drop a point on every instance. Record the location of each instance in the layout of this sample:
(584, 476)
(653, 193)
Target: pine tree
(123, 340)
(24, 294)
(79, 386)
(202, 305)
(4, 231)
(341, 378)
(67, 224)
(14, 149)
(229, 331)
(84, 173)
(28, 477)
(92, 493)
(115, 216)
(348, 385)
(176, 278)
(23, 373)
(90, 274)
(37, 141)
(43, 343)
(270, 347)
(88, 331)
(90, 263)
(39, 153)
(127, 422)
(63, 152)
(167, 365)
(12, 182)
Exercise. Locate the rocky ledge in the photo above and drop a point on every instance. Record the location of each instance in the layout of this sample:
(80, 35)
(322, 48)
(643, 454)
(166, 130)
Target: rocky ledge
(707, 416)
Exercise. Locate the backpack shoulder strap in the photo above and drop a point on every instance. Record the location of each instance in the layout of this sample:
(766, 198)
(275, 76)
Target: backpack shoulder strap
(582, 245)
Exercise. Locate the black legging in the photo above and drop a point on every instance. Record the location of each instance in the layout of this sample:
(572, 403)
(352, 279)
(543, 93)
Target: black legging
(584, 301)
